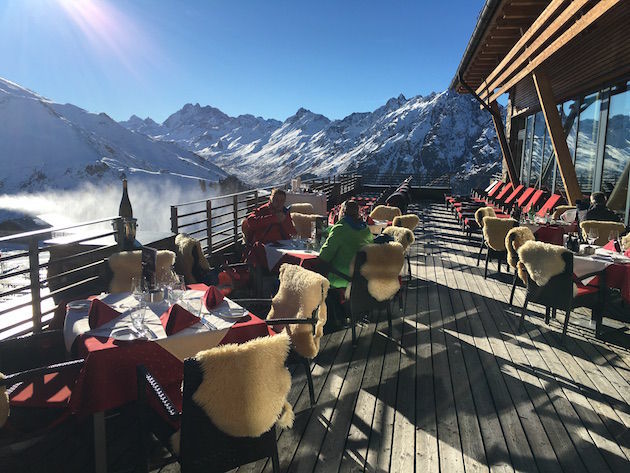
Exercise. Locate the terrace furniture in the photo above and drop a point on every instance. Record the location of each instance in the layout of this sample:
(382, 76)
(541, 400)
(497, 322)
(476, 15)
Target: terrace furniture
(233, 398)
(514, 239)
(547, 271)
(559, 210)
(494, 232)
(126, 265)
(602, 229)
(532, 204)
(479, 216)
(385, 212)
(524, 198)
(191, 262)
(509, 201)
(551, 204)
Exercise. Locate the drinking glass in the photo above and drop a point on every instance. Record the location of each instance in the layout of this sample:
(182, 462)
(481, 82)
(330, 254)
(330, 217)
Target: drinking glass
(177, 288)
(137, 318)
(613, 235)
(592, 236)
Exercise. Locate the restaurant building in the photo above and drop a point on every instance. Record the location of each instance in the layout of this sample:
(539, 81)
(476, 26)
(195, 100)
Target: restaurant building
(565, 66)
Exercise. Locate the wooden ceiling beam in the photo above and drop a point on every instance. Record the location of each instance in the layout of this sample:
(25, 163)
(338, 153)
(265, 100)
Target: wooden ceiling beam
(578, 27)
(516, 58)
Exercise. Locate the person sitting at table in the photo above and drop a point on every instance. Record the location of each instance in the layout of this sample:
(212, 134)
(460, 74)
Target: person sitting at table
(271, 221)
(599, 211)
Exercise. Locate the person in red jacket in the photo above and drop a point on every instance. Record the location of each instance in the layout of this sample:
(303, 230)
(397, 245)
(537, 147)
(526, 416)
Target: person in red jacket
(271, 221)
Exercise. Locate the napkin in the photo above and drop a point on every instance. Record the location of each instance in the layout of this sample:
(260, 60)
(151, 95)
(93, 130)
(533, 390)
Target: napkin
(100, 314)
(370, 221)
(176, 319)
(212, 298)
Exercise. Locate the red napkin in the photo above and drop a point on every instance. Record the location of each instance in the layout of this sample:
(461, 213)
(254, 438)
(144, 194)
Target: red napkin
(212, 298)
(177, 318)
(100, 313)
(610, 246)
(370, 221)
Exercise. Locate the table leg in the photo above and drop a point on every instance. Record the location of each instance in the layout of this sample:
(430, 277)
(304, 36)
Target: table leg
(100, 446)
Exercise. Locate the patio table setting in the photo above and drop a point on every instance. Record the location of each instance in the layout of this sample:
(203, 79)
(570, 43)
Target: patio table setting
(616, 266)
(296, 251)
(549, 232)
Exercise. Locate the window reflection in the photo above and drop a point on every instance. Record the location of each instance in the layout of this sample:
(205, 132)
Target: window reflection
(549, 158)
(569, 112)
(587, 138)
(617, 150)
(527, 150)
(537, 149)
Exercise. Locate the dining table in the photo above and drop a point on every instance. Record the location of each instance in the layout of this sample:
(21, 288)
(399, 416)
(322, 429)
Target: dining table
(292, 252)
(550, 232)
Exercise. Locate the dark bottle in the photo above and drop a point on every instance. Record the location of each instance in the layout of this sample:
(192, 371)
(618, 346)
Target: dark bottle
(125, 210)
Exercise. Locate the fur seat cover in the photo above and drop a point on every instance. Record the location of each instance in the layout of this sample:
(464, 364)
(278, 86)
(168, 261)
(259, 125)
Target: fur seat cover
(603, 229)
(381, 269)
(495, 230)
(625, 242)
(127, 264)
(402, 235)
(301, 293)
(385, 212)
(409, 221)
(514, 239)
(185, 259)
(303, 223)
(560, 209)
(245, 386)
(484, 212)
(4, 404)
(301, 208)
(541, 260)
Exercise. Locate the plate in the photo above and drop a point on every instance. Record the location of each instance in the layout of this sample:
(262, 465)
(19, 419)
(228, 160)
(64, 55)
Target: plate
(235, 314)
(79, 305)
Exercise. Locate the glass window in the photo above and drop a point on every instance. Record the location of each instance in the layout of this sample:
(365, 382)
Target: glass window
(537, 149)
(549, 159)
(617, 150)
(527, 150)
(569, 112)
(587, 137)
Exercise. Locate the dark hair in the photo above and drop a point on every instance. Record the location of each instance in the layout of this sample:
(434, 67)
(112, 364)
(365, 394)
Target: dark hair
(599, 198)
(277, 191)
(351, 208)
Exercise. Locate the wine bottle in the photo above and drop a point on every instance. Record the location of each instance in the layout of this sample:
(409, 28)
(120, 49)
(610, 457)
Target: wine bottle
(125, 210)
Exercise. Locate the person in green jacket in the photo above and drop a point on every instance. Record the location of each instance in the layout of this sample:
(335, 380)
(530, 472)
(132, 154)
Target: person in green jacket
(344, 241)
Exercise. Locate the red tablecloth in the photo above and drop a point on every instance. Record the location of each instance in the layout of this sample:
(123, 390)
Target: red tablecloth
(550, 234)
(108, 377)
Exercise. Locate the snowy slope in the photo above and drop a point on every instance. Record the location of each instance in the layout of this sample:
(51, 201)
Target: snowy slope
(48, 145)
(437, 134)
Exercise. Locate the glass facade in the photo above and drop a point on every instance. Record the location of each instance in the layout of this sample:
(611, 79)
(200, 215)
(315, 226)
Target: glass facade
(597, 127)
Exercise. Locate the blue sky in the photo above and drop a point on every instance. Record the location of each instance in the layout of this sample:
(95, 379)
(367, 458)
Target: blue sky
(268, 58)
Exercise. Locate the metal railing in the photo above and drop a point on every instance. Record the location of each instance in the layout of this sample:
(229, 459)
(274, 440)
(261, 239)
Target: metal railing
(418, 180)
(216, 222)
(40, 268)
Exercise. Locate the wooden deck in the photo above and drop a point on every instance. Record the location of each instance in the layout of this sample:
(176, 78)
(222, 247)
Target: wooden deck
(456, 387)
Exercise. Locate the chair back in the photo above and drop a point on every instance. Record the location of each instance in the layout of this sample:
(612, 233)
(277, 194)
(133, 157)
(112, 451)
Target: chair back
(302, 208)
(402, 235)
(302, 295)
(233, 397)
(603, 229)
(189, 259)
(128, 264)
(514, 239)
(483, 212)
(560, 209)
(409, 221)
(304, 223)
(385, 212)
(625, 242)
(495, 230)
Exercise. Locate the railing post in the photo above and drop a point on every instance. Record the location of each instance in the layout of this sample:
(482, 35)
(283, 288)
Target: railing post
(235, 213)
(209, 225)
(174, 222)
(33, 263)
(256, 199)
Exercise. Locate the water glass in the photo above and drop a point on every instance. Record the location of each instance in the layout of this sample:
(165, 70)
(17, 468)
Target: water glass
(177, 288)
(138, 289)
(613, 235)
(137, 317)
(592, 236)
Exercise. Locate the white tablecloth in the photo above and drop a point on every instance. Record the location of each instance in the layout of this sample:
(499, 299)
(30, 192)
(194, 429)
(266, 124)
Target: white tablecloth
(317, 200)
(198, 336)
(275, 251)
(378, 226)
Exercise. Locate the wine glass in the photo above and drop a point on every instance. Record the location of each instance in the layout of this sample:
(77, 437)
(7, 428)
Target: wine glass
(592, 236)
(137, 318)
(177, 288)
(613, 235)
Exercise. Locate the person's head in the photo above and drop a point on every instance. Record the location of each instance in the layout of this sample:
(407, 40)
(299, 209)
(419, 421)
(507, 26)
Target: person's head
(350, 208)
(598, 198)
(277, 199)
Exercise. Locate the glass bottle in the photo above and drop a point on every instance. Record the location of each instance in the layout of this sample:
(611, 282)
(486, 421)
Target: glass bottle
(125, 210)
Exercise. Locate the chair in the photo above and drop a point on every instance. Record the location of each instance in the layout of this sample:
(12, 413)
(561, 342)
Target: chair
(233, 398)
(550, 205)
(190, 260)
(603, 230)
(494, 232)
(409, 221)
(302, 208)
(625, 242)
(384, 212)
(128, 264)
(547, 271)
(514, 239)
(303, 223)
(560, 209)
(374, 281)
(479, 216)
(405, 237)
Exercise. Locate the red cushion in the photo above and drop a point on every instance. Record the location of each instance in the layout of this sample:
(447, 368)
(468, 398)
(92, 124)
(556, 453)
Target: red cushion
(522, 200)
(510, 198)
(549, 205)
(586, 290)
(495, 189)
(534, 200)
(504, 191)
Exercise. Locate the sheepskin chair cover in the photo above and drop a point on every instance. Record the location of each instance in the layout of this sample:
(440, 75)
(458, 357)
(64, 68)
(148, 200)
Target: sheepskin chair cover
(514, 239)
(603, 229)
(381, 269)
(402, 235)
(409, 221)
(541, 261)
(484, 212)
(185, 259)
(301, 208)
(560, 209)
(4, 404)
(128, 264)
(303, 224)
(625, 242)
(385, 212)
(245, 386)
(301, 293)
(495, 230)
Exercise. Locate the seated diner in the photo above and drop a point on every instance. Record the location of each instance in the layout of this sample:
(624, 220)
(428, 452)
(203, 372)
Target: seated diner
(271, 221)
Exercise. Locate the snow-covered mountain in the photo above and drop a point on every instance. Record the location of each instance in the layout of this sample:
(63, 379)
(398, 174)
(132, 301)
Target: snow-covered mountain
(437, 134)
(44, 144)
